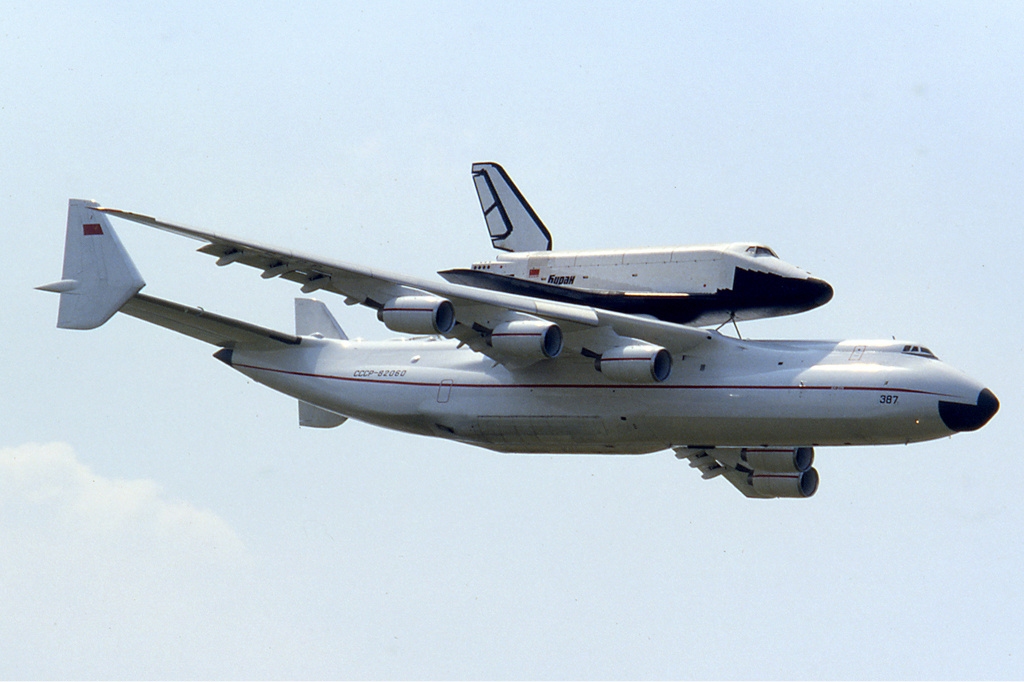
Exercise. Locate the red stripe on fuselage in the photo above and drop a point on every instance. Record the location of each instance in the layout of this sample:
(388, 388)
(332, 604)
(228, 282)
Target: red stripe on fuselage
(722, 387)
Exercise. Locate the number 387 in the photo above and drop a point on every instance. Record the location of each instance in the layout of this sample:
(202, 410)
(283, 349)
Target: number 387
(888, 399)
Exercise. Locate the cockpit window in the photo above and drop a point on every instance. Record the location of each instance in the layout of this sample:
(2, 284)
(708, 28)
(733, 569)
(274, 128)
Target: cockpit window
(761, 251)
(919, 351)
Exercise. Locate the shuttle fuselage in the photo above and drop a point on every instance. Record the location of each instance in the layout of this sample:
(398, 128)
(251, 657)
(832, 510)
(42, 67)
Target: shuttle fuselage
(697, 285)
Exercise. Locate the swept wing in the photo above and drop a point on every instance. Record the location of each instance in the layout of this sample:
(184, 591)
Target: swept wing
(586, 330)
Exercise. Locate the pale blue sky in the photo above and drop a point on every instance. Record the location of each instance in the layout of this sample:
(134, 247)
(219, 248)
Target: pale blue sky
(161, 516)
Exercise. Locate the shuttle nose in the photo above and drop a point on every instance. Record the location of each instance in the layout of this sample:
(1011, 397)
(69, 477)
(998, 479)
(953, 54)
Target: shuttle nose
(964, 417)
(820, 290)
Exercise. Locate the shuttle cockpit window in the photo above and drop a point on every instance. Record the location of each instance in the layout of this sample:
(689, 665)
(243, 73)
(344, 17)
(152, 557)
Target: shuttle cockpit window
(757, 251)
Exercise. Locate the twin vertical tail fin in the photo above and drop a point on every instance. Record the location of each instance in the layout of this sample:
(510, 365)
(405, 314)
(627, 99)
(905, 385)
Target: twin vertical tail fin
(98, 277)
(312, 318)
(510, 219)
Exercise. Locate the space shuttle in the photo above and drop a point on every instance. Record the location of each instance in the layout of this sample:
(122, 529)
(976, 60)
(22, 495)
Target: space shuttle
(692, 285)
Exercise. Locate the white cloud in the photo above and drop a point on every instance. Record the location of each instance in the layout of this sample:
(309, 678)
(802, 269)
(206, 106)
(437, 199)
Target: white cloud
(110, 577)
(54, 501)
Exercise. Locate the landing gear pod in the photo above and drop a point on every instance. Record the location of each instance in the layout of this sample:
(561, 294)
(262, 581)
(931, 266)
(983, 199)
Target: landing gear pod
(785, 484)
(531, 339)
(418, 315)
(638, 363)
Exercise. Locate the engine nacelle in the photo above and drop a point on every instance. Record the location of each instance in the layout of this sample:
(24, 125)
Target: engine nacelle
(782, 460)
(785, 484)
(637, 363)
(535, 339)
(418, 315)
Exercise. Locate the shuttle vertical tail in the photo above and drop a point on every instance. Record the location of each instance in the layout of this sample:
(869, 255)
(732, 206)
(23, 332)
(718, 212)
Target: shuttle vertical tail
(99, 276)
(510, 219)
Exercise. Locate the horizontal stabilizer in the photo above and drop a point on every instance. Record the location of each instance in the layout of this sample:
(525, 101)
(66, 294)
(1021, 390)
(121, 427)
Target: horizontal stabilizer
(98, 276)
(209, 327)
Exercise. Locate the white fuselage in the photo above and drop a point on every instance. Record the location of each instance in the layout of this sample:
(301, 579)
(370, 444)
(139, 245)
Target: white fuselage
(738, 393)
(694, 285)
(682, 269)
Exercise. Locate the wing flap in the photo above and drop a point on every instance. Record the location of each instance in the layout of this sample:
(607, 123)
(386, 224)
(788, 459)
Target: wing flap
(715, 462)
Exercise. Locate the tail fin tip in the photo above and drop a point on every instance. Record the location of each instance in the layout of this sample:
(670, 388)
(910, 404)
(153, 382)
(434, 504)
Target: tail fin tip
(99, 276)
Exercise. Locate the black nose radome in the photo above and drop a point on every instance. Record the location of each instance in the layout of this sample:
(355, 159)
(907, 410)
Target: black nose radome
(821, 290)
(962, 417)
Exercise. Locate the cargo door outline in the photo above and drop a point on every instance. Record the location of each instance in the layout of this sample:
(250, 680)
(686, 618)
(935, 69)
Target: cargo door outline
(444, 391)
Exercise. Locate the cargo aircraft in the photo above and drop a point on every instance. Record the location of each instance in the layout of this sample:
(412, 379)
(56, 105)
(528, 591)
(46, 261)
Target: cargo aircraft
(695, 285)
(522, 374)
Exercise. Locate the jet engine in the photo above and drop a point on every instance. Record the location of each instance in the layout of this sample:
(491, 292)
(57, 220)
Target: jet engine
(784, 484)
(781, 472)
(418, 315)
(792, 460)
(533, 339)
(637, 363)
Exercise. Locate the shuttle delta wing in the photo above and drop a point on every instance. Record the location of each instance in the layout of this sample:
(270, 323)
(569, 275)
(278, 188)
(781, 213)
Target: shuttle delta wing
(477, 317)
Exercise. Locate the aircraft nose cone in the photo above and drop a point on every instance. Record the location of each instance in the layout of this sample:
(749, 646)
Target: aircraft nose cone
(964, 417)
(821, 291)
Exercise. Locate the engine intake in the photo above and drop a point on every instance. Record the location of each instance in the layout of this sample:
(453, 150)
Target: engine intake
(528, 339)
(637, 363)
(418, 315)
